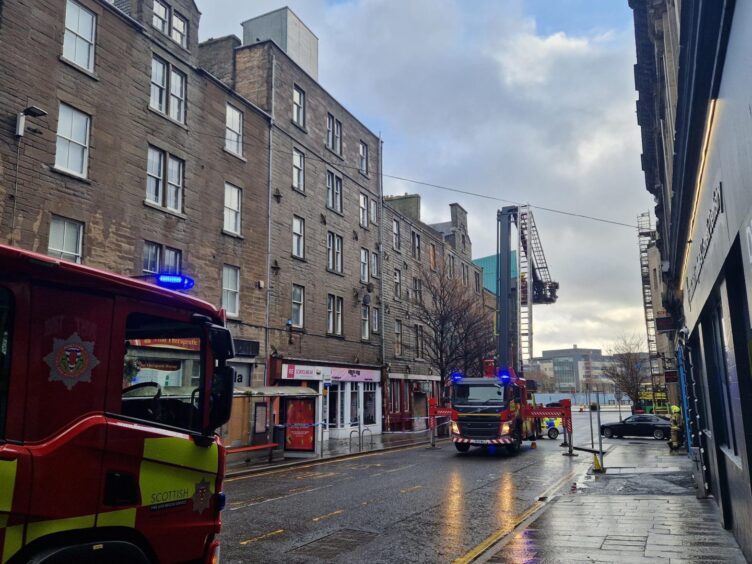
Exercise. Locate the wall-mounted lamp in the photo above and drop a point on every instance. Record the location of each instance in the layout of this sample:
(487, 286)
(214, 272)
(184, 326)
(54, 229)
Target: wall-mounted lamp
(275, 267)
(32, 111)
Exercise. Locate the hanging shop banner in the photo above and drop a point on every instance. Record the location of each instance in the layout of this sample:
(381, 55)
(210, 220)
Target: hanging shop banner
(190, 343)
(329, 373)
(299, 428)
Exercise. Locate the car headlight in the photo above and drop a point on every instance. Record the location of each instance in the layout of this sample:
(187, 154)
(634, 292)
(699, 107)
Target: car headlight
(455, 428)
(505, 429)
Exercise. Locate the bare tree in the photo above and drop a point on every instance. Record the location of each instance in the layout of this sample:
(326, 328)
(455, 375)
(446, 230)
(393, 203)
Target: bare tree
(546, 382)
(625, 372)
(458, 329)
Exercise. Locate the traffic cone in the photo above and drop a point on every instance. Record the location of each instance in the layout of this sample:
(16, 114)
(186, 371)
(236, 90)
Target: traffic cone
(533, 445)
(596, 464)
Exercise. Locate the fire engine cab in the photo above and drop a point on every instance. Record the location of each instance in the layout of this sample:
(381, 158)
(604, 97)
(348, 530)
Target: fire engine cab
(110, 392)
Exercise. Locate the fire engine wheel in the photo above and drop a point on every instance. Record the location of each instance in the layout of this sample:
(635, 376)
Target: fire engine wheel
(553, 433)
(658, 434)
(514, 448)
(462, 447)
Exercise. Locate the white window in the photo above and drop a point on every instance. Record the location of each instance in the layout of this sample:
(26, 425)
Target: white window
(163, 79)
(416, 245)
(397, 337)
(334, 314)
(179, 31)
(419, 349)
(298, 236)
(333, 191)
(417, 290)
(465, 274)
(298, 106)
(374, 212)
(161, 16)
(72, 151)
(231, 289)
(158, 259)
(161, 165)
(334, 134)
(364, 265)
(451, 266)
(158, 100)
(65, 240)
(298, 170)
(177, 95)
(365, 322)
(396, 238)
(375, 264)
(397, 284)
(363, 210)
(298, 305)
(78, 41)
(334, 251)
(234, 130)
(232, 208)
(363, 154)
(375, 319)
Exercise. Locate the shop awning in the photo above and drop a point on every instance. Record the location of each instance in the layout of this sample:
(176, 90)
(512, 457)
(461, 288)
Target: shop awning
(276, 391)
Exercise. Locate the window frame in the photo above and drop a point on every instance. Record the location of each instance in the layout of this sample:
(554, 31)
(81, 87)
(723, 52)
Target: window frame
(298, 109)
(84, 173)
(415, 247)
(166, 20)
(396, 235)
(365, 265)
(238, 212)
(334, 315)
(92, 41)
(363, 207)
(375, 266)
(375, 319)
(161, 257)
(167, 184)
(419, 344)
(168, 96)
(233, 292)
(298, 172)
(397, 284)
(365, 322)
(58, 253)
(298, 238)
(301, 306)
(183, 41)
(398, 344)
(333, 191)
(363, 158)
(229, 108)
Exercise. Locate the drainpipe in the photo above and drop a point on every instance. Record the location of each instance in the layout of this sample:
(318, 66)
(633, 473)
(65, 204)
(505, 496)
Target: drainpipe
(269, 236)
(382, 321)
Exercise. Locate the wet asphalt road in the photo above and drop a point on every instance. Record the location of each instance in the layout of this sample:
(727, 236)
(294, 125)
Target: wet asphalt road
(412, 505)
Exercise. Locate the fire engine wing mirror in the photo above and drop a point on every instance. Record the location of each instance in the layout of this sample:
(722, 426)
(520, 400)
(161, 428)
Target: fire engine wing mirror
(221, 397)
(221, 342)
(532, 386)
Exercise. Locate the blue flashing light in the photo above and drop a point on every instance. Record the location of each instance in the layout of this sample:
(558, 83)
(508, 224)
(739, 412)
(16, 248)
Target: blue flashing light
(174, 281)
(504, 375)
(456, 377)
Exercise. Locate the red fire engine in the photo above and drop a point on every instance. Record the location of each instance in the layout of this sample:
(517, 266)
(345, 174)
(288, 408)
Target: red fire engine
(110, 392)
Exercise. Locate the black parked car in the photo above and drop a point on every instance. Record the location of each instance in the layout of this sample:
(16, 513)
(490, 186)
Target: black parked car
(638, 426)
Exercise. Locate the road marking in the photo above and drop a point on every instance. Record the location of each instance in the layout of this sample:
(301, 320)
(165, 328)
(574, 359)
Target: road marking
(332, 514)
(322, 462)
(400, 468)
(495, 537)
(242, 505)
(316, 475)
(411, 489)
(262, 537)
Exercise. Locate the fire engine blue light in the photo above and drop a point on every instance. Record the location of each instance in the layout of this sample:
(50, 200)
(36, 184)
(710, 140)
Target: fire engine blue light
(174, 281)
(504, 375)
(456, 376)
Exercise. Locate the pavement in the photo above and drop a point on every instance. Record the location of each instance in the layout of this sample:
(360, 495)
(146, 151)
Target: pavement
(643, 509)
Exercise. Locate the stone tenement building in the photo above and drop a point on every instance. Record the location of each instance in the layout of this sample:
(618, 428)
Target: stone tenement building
(131, 157)
(411, 248)
(325, 282)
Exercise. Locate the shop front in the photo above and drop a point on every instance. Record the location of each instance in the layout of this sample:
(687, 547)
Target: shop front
(407, 403)
(350, 397)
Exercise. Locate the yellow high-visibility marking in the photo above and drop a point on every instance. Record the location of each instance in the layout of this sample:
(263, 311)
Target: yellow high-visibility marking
(121, 518)
(7, 484)
(161, 485)
(262, 537)
(182, 452)
(13, 541)
(411, 489)
(332, 514)
(43, 528)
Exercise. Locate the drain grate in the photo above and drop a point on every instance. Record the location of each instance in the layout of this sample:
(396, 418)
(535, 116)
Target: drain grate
(335, 544)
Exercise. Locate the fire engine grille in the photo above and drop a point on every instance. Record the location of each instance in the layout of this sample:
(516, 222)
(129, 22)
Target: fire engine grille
(479, 429)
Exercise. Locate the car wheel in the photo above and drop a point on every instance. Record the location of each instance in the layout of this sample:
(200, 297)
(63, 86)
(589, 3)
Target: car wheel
(462, 447)
(659, 434)
(608, 432)
(553, 433)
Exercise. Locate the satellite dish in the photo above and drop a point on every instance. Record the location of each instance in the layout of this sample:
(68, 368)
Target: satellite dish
(367, 299)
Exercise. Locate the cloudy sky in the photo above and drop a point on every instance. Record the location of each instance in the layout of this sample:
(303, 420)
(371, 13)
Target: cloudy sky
(525, 100)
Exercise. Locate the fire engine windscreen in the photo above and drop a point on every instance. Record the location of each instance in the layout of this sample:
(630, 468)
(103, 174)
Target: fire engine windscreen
(163, 371)
(478, 394)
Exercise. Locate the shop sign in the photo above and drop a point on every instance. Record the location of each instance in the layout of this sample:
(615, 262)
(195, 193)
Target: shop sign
(329, 373)
(300, 372)
(711, 218)
(354, 375)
